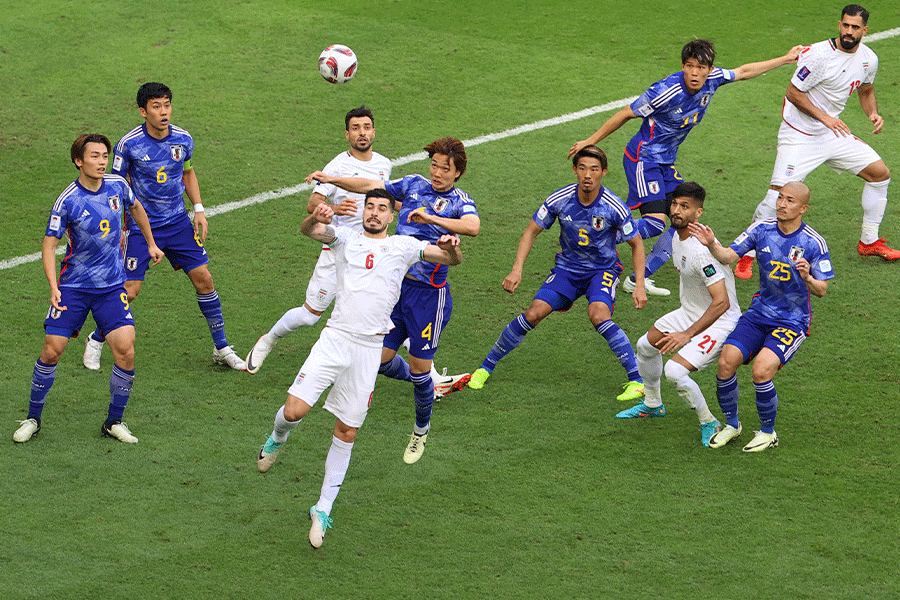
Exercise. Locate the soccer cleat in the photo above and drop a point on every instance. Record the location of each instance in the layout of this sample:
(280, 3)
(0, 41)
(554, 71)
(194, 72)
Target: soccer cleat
(92, 351)
(415, 448)
(447, 384)
(118, 431)
(27, 430)
(878, 248)
(707, 430)
(744, 268)
(476, 382)
(641, 410)
(761, 441)
(227, 356)
(320, 523)
(633, 391)
(268, 454)
(259, 352)
(724, 435)
(629, 283)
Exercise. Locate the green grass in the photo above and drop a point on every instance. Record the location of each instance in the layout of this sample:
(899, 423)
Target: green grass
(529, 488)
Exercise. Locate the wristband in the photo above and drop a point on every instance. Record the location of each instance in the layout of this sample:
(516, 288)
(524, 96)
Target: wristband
(198, 207)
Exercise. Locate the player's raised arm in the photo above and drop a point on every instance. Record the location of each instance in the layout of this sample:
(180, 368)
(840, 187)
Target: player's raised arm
(445, 251)
(359, 185)
(707, 237)
(465, 225)
(612, 124)
(751, 70)
(318, 225)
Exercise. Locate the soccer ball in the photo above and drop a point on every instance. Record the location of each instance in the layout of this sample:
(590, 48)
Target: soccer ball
(337, 64)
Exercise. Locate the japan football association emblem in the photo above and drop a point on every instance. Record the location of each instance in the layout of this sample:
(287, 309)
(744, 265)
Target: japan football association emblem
(177, 152)
(131, 263)
(705, 99)
(597, 222)
(440, 204)
(114, 203)
(653, 186)
(796, 253)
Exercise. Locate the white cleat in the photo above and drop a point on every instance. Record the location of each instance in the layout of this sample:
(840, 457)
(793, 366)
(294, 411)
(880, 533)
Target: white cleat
(629, 283)
(27, 430)
(227, 356)
(725, 435)
(415, 449)
(761, 441)
(119, 431)
(92, 351)
(259, 352)
(320, 523)
(447, 384)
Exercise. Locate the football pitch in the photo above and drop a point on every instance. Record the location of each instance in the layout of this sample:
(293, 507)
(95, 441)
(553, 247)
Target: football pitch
(530, 488)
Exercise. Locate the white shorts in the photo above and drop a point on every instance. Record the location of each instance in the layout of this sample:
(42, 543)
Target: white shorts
(799, 154)
(705, 347)
(322, 284)
(348, 361)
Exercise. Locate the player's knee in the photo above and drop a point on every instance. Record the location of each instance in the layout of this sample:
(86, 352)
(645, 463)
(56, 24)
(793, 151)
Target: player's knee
(344, 432)
(644, 347)
(676, 373)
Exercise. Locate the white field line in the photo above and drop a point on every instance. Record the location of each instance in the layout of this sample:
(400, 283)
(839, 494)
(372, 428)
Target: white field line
(403, 160)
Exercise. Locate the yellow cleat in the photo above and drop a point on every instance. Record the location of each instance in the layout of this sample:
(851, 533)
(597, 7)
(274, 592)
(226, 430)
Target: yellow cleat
(479, 377)
(633, 391)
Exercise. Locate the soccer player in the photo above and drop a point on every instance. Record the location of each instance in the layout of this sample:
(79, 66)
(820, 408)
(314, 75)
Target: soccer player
(431, 208)
(590, 218)
(89, 212)
(156, 159)
(794, 262)
(693, 333)
(669, 109)
(370, 267)
(812, 133)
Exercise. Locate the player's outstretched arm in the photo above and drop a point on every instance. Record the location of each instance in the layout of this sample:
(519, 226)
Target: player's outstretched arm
(526, 243)
(612, 124)
(48, 259)
(751, 70)
(143, 222)
(359, 185)
(318, 225)
(465, 225)
(707, 237)
(446, 251)
(346, 207)
(870, 106)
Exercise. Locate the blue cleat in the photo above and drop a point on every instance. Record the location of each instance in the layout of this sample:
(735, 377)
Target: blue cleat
(641, 410)
(707, 430)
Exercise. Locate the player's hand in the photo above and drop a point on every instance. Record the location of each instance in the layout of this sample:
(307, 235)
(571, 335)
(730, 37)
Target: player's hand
(55, 299)
(155, 253)
(702, 233)
(201, 225)
(318, 176)
(794, 53)
(419, 216)
(877, 121)
(802, 265)
(323, 213)
(639, 295)
(512, 281)
(576, 147)
(345, 208)
(839, 128)
(447, 242)
(669, 343)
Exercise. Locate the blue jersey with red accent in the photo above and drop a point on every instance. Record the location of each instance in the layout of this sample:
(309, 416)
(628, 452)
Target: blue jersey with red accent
(416, 193)
(783, 296)
(155, 169)
(587, 234)
(669, 112)
(92, 222)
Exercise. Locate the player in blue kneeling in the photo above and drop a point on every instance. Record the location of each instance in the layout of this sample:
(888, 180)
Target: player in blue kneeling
(669, 109)
(793, 262)
(590, 218)
(89, 212)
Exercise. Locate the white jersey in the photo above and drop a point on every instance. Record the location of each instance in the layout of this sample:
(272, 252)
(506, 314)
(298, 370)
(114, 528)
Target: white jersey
(346, 165)
(699, 270)
(828, 76)
(369, 274)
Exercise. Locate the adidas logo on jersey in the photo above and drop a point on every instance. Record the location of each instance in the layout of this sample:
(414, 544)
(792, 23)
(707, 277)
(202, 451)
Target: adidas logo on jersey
(766, 249)
(146, 157)
(566, 218)
(85, 214)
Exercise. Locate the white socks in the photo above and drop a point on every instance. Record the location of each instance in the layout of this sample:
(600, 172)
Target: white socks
(680, 376)
(336, 464)
(766, 208)
(650, 367)
(283, 427)
(291, 321)
(874, 201)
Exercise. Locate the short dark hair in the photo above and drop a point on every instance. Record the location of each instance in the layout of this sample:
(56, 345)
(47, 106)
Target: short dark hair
(382, 193)
(855, 10)
(151, 90)
(356, 113)
(590, 152)
(83, 140)
(453, 148)
(689, 189)
(700, 50)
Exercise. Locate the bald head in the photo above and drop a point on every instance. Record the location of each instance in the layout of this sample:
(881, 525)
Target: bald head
(798, 190)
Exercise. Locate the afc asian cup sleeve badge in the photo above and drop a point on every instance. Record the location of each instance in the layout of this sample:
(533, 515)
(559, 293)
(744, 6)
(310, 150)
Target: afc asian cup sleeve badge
(796, 253)
(114, 202)
(440, 204)
(598, 222)
(177, 151)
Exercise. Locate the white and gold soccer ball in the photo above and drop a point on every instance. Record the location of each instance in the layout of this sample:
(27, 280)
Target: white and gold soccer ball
(337, 63)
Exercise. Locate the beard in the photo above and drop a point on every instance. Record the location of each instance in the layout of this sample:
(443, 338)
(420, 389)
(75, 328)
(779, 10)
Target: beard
(849, 42)
(374, 230)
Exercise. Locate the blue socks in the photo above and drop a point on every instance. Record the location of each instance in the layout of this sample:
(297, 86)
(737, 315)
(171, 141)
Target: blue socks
(766, 405)
(120, 383)
(510, 338)
(41, 382)
(621, 347)
(211, 308)
(727, 392)
(660, 253)
(396, 368)
(423, 387)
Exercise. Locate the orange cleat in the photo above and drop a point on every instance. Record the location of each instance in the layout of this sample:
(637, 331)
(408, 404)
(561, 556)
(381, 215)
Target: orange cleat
(878, 248)
(744, 269)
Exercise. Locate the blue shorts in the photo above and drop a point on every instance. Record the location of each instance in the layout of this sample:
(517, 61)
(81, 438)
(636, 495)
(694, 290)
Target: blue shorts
(562, 288)
(754, 332)
(650, 182)
(181, 245)
(421, 315)
(109, 307)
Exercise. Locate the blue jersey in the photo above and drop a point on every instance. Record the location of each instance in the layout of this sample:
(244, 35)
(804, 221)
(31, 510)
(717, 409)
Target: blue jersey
(783, 295)
(587, 234)
(92, 222)
(155, 168)
(416, 193)
(669, 112)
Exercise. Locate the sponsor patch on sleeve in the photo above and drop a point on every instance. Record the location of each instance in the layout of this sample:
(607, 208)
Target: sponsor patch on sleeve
(802, 74)
(709, 270)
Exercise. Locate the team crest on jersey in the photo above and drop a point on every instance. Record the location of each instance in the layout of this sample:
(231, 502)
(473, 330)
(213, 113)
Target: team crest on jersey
(177, 151)
(114, 202)
(53, 313)
(131, 263)
(598, 222)
(705, 99)
(796, 253)
(653, 186)
(440, 204)
(789, 171)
